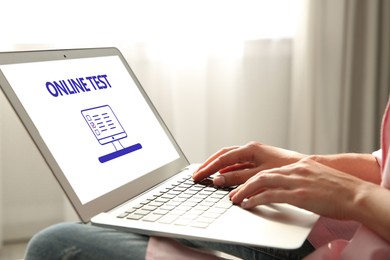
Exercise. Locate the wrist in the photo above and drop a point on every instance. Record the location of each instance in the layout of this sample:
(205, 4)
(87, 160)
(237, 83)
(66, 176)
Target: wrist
(359, 209)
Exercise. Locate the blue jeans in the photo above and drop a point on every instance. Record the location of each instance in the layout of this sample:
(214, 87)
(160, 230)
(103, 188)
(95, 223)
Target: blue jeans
(81, 241)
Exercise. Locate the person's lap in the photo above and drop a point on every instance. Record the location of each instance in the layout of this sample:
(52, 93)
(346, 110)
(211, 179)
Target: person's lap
(82, 241)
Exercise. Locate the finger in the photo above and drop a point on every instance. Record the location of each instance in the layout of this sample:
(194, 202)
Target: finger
(233, 192)
(232, 178)
(269, 196)
(259, 183)
(225, 160)
(238, 166)
(205, 170)
(216, 155)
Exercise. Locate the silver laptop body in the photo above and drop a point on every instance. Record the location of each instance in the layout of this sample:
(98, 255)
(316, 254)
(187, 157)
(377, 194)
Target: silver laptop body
(115, 158)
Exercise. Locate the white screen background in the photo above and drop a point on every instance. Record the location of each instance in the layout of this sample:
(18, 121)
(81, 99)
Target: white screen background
(65, 132)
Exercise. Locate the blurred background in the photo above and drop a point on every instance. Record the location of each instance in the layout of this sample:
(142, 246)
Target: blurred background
(307, 75)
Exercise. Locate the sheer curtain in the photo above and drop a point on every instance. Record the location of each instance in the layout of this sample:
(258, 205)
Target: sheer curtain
(221, 99)
(340, 79)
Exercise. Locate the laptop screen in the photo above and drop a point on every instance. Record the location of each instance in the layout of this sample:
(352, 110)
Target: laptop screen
(93, 119)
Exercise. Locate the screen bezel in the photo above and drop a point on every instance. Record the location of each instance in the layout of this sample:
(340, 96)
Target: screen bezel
(111, 199)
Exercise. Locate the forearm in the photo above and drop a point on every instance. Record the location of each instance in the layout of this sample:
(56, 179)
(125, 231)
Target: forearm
(370, 208)
(363, 166)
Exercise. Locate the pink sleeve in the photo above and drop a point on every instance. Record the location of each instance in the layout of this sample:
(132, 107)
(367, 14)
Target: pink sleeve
(378, 156)
(364, 245)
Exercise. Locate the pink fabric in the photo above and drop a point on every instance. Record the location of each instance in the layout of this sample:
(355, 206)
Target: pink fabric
(385, 135)
(327, 229)
(385, 147)
(364, 244)
(378, 157)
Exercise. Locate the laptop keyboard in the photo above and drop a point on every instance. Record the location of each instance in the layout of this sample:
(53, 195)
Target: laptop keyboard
(183, 203)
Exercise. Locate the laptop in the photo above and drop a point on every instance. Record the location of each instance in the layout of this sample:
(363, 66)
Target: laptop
(116, 160)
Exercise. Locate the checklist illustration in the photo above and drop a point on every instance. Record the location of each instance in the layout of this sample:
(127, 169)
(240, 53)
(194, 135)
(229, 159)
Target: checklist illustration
(108, 130)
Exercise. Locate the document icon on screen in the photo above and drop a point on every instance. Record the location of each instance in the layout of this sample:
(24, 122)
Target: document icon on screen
(107, 129)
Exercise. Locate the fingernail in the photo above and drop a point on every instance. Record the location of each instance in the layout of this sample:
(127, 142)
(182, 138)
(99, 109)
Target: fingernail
(219, 180)
(243, 204)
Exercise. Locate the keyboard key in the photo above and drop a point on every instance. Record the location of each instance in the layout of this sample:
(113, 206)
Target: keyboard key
(216, 210)
(173, 203)
(183, 221)
(211, 215)
(173, 192)
(212, 200)
(184, 195)
(164, 190)
(163, 200)
(190, 192)
(160, 211)
(156, 203)
(145, 201)
(196, 200)
(221, 192)
(206, 203)
(141, 212)
(123, 215)
(149, 207)
(205, 192)
(167, 219)
(167, 207)
(200, 196)
(178, 199)
(190, 216)
(168, 196)
(131, 210)
(177, 212)
(201, 207)
(217, 196)
(186, 185)
(212, 189)
(151, 217)
(205, 220)
(179, 189)
(196, 212)
(224, 204)
(189, 203)
(134, 216)
(138, 206)
(183, 207)
(194, 188)
(198, 224)
(207, 182)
